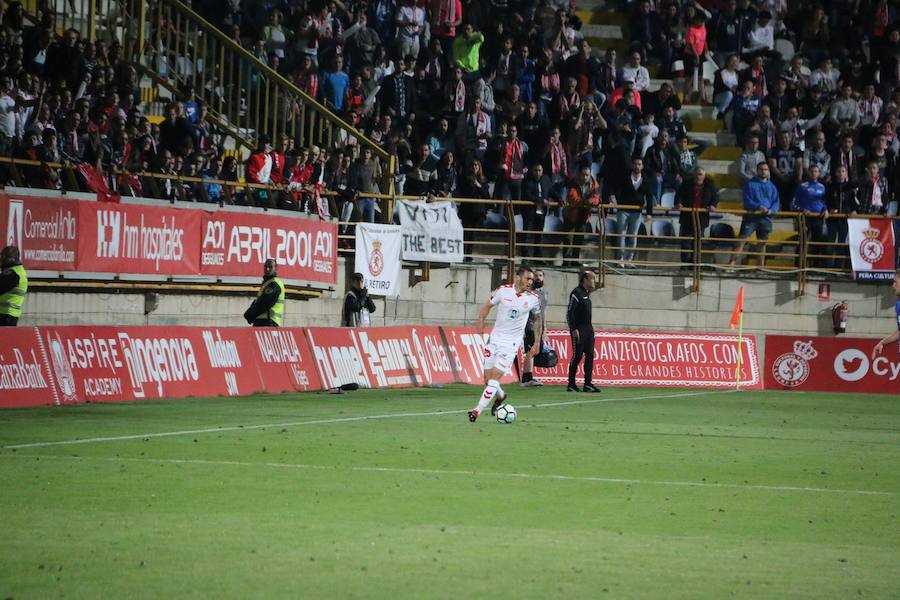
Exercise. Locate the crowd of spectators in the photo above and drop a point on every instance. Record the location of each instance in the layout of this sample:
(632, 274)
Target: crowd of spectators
(500, 99)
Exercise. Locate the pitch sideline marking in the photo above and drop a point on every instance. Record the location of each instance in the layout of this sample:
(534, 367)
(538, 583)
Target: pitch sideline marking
(412, 470)
(435, 413)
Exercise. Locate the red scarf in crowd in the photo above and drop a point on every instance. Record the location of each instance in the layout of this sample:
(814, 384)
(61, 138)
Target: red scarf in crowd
(459, 96)
(513, 153)
(558, 161)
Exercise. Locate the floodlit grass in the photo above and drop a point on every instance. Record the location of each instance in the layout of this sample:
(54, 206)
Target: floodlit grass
(636, 494)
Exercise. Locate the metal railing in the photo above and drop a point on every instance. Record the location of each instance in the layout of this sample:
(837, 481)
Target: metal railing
(187, 56)
(789, 251)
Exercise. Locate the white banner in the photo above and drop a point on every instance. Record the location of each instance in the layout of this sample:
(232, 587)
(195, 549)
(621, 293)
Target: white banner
(432, 231)
(871, 244)
(378, 257)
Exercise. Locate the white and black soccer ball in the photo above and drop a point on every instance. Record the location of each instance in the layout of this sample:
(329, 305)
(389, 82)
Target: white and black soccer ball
(506, 413)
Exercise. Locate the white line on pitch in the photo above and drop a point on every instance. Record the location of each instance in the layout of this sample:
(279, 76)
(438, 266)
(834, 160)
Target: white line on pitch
(412, 470)
(435, 413)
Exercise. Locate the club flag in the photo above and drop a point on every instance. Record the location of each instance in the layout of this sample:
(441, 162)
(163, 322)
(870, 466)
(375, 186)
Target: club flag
(871, 243)
(738, 309)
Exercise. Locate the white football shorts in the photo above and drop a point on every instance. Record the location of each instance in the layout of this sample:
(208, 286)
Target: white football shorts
(500, 355)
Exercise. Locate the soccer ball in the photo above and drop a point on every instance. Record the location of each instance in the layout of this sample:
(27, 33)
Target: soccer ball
(506, 413)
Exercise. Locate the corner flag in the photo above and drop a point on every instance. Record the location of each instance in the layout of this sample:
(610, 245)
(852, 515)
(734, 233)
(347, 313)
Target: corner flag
(737, 321)
(738, 309)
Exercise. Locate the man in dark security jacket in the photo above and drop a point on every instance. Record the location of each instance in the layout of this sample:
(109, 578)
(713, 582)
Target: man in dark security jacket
(578, 316)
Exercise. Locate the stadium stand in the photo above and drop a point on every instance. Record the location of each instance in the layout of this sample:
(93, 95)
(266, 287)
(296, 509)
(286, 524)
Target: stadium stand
(359, 102)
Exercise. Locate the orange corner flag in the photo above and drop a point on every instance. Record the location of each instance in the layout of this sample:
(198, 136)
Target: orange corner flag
(738, 309)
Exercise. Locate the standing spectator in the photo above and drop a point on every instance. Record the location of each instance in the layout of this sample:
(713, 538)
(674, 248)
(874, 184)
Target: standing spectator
(361, 40)
(259, 170)
(364, 180)
(761, 203)
(646, 30)
(446, 15)
(538, 189)
(474, 185)
(583, 196)
(410, 22)
(466, 49)
(847, 157)
(9, 117)
(818, 155)
(473, 131)
(840, 197)
(686, 158)
(275, 35)
(749, 159)
(786, 166)
(334, 85)
(727, 32)
(636, 72)
(810, 200)
(660, 164)
(633, 193)
(512, 160)
(397, 96)
(699, 193)
(445, 176)
(873, 192)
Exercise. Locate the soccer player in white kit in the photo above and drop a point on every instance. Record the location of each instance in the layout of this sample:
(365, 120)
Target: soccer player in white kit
(514, 303)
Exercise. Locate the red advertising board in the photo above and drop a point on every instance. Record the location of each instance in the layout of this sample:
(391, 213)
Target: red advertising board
(831, 365)
(136, 238)
(59, 234)
(46, 231)
(283, 359)
(659, 359)
(25, 379)
(238, 243)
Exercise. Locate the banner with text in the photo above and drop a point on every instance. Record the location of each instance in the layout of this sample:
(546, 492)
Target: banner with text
(828, 364)
(432, 231)
(134, 238)
(59, 234)
(44, 229)
(238, 243)
(659, 359)
(25, 378)
(378, 258)
(871, 248)
(64, 365)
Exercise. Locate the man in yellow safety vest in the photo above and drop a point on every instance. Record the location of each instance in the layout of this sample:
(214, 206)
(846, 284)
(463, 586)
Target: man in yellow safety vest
(267, 309)
(13, 286)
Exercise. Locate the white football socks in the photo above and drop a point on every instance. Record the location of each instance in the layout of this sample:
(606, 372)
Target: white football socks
(487, 397)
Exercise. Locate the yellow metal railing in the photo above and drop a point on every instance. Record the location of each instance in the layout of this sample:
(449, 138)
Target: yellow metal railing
(789, 251)
(178, 45)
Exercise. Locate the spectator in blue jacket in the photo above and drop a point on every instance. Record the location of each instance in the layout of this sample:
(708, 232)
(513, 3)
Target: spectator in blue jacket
(810, 200)
(761, 203)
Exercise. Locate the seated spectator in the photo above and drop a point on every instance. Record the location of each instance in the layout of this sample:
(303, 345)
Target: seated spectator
(636, 72)
(844, 116)
(213, 192)
(661, 164)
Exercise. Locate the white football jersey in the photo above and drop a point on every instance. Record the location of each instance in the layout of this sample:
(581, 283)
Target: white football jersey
(513, 309)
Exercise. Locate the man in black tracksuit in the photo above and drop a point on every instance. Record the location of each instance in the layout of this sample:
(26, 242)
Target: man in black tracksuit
(578, 316)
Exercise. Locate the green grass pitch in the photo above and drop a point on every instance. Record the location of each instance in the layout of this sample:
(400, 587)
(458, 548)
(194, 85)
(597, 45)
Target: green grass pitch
(635, 493)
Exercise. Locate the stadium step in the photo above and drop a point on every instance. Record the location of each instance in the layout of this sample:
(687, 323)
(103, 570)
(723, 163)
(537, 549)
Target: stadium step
(719, 138)
(696, 110)
(726, 180)
(602, 17)
(718, 166)
(592, 30)
(701, 125)
(730, 153)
